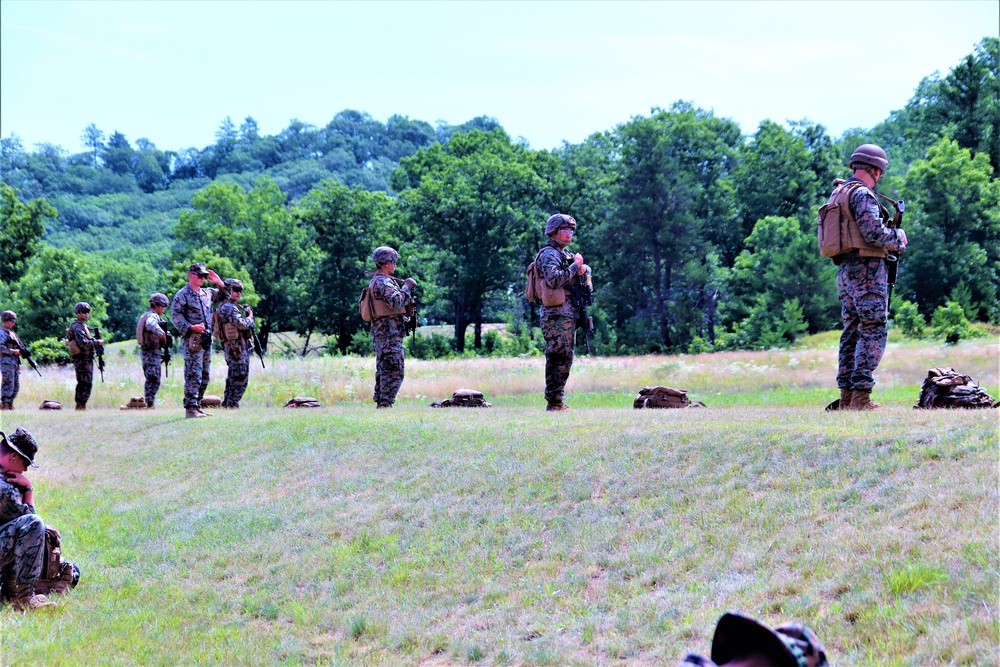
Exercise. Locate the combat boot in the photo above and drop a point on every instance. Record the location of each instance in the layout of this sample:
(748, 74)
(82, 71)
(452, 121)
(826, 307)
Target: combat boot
(6, 406)
(194, 413)
(556, 407)
(149, 405)
(23, 598)
(862, 400)
(81, 406)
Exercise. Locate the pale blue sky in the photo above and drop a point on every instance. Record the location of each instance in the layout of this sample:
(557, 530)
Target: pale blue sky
(550, 71)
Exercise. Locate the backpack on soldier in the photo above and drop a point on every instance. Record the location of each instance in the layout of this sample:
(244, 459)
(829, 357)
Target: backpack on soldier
(70, 340)
(947, 388)
(663, 397)
(834, 217)
(365, 304)
(536, 291)
(58, 574)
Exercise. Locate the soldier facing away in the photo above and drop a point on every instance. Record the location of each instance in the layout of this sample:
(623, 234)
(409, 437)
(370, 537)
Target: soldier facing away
(558, 269)
(82, 346)
(237, 344)
(10, 360)
(389, 301)
(22, 533)
(191, 314)
(862, 279)
(152, 338)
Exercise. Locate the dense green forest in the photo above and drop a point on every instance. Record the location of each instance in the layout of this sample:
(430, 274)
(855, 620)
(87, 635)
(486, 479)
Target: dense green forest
(700, 237)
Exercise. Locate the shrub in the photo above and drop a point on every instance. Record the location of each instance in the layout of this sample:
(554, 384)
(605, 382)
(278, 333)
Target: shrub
(434, 346)
(909, 320)
(361, 344)
(949, 322)
(48, 351)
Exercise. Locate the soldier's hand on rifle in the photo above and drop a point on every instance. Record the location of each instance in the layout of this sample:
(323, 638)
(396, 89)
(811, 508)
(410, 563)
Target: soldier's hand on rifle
(197, 328)
(16, 353)
(902, 238)
(249, 313)
(578, 260)
(410, 281)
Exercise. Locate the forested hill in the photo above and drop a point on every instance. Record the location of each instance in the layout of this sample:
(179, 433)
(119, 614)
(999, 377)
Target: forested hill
(700, 236)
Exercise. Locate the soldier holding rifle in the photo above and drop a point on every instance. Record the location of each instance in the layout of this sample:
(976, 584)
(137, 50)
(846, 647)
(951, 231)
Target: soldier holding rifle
(82, 347)
(389, 302)
(10, 360)
(152, 339)
(236, 332)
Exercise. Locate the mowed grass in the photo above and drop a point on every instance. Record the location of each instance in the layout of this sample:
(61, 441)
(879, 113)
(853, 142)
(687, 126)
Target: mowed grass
(514, 536)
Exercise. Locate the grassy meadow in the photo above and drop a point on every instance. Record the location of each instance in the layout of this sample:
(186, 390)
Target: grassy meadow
(346, 536)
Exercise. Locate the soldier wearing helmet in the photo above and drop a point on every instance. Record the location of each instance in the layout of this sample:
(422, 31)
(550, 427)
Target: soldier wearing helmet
(152, 338)
(235, 330)
(389, 302)
(558, 270)
(862, 278)
(10, 360)
(82, 346)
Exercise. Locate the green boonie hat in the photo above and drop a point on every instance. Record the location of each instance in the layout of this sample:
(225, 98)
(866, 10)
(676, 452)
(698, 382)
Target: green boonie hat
(199, 268)
(8, 316)
(557, 222)
(234, 284)
(23, 443)
(788, 645)
(384, 254)
(157, 299)
(82, 307)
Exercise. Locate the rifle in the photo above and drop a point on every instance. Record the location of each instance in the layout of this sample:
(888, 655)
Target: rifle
(257, 347)
(892, 261)
(99, 349)
(168, 345)
(582, 295)
(26, 355)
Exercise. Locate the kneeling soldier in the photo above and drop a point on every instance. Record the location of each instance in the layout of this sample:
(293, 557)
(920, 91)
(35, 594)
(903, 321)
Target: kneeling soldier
(235, 331)
(22, 533)
(10, 360)
(151, 337)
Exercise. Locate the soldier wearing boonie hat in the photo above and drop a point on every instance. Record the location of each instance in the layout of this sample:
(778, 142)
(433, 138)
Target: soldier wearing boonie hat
(191, 314)
(740, 640)
(22, 533)
(10, 360)
(388, 329)
(237, 344)
(82, 346)
(152, 338)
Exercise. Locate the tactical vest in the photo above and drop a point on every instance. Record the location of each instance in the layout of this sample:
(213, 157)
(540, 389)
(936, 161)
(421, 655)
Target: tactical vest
(146, 340)
(74, 347)
(838, 232)
(373, 309)
(536, 291)
(224, 331)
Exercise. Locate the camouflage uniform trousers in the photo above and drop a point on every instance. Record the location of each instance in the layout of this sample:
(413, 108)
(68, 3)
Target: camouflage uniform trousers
(238, 354)
(11, 385)
(559, 332)
(151, 360)
(84, 365)
(387, 339)
(22, 549)
(197, 370)
(863, 286)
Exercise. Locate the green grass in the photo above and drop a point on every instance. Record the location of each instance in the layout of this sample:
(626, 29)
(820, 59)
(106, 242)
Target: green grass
(345, 536)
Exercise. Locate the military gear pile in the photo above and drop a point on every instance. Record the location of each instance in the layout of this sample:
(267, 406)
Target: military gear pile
(664, 397)
(947, 388)
(211, 401)
(303, 402)
(50, 405)
(58, 574)
(135, 403)
(463, 398)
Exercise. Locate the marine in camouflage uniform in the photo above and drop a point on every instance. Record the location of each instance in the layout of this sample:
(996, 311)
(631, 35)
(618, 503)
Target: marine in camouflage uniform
(22, 533)
(741, 640)
(83, 362)
(151, 350)
(238, 350)
(558, 269)
(10, 361)
(863, 285)
(388, 332)
(192, 307)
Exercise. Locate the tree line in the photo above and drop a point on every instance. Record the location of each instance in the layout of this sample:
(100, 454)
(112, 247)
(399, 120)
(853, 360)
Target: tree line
(700, 237)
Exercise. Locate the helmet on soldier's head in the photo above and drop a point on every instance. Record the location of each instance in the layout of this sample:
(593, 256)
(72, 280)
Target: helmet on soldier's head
(557, 222)
(157, 299)
(8, 316)
(871, 155)
(384, 255)
(82, 307)
(234, 284)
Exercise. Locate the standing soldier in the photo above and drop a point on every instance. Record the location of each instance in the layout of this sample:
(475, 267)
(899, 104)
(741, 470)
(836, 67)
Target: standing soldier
(81, 350)
(558, 270)
(235, 331)
(389, 302)
(152, 338)
(862, 278)
(191, 313)
(10, 360)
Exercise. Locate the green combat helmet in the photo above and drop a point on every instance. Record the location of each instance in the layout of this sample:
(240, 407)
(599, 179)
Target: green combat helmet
(384, 255)
(82, 307)
(871, 155)
(157, 299)
(557, 222)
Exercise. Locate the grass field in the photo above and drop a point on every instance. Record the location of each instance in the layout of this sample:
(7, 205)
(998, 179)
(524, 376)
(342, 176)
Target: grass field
(345, 536)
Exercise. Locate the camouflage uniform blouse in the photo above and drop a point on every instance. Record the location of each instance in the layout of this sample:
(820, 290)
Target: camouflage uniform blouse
(868, 214)
(153, 329)
(557, 269)
(7, 339)
(385, 288)
(81, 334)
(12, 503)
(229, 313)
(191, 307)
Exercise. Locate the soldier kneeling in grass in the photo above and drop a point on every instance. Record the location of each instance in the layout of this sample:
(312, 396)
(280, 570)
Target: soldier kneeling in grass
(22, 533)
(741, 641)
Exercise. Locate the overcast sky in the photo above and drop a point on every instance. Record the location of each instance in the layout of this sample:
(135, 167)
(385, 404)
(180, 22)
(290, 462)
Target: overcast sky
(549, 72)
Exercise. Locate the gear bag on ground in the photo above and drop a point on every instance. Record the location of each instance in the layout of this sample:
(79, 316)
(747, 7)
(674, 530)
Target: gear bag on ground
(947, 388)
